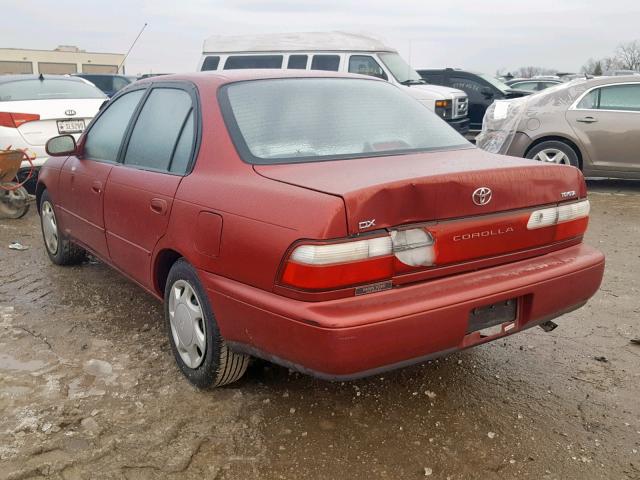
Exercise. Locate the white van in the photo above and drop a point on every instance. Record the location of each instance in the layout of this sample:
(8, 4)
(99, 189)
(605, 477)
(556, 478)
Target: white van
(334, 51)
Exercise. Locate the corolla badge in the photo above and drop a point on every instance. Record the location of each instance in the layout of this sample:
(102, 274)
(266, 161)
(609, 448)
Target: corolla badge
(69, 113)
(481, 196)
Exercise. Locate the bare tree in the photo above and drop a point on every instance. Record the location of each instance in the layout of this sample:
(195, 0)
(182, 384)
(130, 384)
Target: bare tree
(628, 54)
(529, 72)
(592, 67)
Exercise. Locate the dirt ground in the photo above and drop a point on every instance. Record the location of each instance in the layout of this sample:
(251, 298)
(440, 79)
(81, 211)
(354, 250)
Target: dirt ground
(88, 388)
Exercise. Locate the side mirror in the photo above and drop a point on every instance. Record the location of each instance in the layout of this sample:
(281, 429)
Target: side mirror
(61, 146)
(486, 92)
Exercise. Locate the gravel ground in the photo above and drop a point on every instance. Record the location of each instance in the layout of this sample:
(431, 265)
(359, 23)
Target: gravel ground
(88, 388)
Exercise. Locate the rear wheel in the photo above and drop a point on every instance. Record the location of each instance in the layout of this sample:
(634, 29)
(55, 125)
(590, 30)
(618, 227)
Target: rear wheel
(200, 352)
(554, 151)
(60, 249)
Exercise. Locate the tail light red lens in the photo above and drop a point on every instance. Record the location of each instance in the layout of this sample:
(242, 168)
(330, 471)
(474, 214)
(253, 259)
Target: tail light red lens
(343, 264)
(356, 262)
(14, 120)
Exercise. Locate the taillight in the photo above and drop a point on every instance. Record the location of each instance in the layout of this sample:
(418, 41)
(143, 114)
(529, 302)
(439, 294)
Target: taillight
(14, 120)
(547, 217)
(336, 265)
(327, 266)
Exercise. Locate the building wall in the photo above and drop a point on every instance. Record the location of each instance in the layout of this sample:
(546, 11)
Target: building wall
(59, 61)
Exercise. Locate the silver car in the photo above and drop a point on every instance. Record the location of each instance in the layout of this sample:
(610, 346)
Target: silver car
(591, 124)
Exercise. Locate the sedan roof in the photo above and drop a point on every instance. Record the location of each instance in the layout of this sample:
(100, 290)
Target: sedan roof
(230, 76)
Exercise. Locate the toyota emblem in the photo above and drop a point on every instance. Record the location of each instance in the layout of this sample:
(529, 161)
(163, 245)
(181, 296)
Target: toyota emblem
(481, 196)
(69, 113)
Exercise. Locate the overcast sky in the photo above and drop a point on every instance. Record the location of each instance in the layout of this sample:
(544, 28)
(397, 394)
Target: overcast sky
(483, 35)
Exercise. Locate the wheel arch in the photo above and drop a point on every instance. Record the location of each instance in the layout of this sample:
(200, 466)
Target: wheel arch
(164, 260)
(556, 138)
(40, 188)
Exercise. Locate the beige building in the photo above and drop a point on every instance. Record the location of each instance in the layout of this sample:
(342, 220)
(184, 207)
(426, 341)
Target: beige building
(62, 60)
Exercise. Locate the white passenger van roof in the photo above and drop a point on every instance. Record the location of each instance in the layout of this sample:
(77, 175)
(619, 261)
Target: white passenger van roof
(290, 42)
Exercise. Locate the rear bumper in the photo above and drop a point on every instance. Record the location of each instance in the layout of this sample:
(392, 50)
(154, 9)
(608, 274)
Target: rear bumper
(359, 336)
(460, 124)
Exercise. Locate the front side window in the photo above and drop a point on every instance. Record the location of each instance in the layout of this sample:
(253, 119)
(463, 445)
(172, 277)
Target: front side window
(366, 65)
(620, 97)
(329, 63)
(156, 136)
(210, 63)
(253, 61)
(47, 89)
(105, 136)
(313, 119)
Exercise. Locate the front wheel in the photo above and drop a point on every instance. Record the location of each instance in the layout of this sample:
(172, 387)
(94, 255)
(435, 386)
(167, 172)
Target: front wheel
(554, 151)
(200, 352)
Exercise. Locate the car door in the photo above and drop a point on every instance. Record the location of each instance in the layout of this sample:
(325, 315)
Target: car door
(140, 190)
(83, 178)
(606, 121)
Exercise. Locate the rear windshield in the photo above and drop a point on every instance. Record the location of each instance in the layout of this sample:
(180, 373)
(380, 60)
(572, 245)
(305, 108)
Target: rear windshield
(313, 119)
(47, 89)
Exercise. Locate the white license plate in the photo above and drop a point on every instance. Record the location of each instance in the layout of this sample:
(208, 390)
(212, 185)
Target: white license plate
(70, 126)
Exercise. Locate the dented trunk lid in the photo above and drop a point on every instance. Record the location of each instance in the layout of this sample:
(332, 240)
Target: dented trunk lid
(381, 192)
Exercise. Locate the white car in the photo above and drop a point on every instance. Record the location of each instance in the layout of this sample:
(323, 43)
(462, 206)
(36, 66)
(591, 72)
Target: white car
(35, 108)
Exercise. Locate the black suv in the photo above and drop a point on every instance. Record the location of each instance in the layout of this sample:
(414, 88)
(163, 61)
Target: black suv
(481, 89)
(109, 83)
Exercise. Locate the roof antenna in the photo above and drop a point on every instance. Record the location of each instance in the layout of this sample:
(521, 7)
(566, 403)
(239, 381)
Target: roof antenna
(131, 47)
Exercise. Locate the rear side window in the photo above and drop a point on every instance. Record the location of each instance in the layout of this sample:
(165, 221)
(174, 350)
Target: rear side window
(47, 89)
(210, 63)
(620, 97)
(366, 65)
(325, 62)
(156, 139)
(253, 61)
(297, 62)
(528, 86)
(105, 136)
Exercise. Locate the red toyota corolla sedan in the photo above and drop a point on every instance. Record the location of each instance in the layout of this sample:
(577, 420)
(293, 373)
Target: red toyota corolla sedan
(329, 223)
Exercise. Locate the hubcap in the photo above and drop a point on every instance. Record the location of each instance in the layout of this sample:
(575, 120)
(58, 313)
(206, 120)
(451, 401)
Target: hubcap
(49, 227)
(552, 155)
(187, 324)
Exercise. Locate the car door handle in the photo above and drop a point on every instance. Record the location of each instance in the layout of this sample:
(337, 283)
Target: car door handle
(587, 120)
(96, 187)
(159, 206)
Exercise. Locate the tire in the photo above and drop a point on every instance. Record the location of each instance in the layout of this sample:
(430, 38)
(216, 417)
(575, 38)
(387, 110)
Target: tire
(199, 350)
(554, 151)
(14, 204)
(62, 251)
